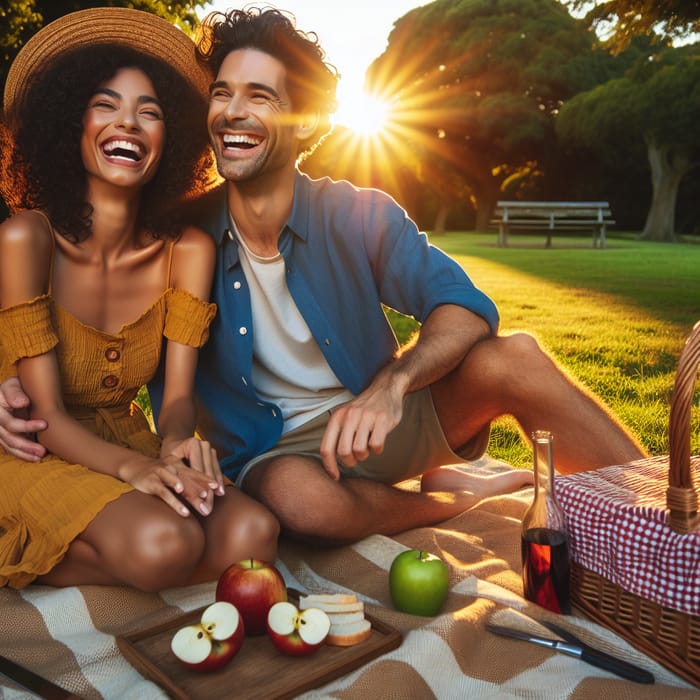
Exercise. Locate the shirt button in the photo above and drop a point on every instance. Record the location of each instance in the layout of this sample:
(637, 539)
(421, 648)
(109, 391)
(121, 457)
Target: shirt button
(243, 330)
(112, 354)
(110, 381)
(327, 341)
(229, 233)
(236, 285)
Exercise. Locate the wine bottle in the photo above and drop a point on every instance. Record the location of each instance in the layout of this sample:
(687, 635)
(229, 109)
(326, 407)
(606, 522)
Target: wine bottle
(545, 537)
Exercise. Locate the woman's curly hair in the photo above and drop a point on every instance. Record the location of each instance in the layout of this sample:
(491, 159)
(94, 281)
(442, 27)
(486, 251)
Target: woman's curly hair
(42, 166)
(311, 81)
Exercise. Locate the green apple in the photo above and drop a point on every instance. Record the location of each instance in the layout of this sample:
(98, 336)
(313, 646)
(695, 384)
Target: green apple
(419, 582)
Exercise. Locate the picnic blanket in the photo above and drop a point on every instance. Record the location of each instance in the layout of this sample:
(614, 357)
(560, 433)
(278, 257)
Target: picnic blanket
(68, 635)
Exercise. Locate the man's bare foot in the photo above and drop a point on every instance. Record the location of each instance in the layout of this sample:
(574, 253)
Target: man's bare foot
(455, 479)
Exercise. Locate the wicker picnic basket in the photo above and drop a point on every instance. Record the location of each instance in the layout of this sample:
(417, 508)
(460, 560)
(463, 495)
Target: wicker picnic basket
(669, 635)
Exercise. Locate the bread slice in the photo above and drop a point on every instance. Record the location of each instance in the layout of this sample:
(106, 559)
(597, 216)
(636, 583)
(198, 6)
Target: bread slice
(349, 633)
(345, 618)
(333, 598)
(311, 602)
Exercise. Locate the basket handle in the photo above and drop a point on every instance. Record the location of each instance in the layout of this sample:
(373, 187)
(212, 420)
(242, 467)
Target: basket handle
(681, 498)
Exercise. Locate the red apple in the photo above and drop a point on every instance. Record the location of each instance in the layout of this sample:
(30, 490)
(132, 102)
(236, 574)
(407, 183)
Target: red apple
(253, 586)
(297, 633)
(213, 642)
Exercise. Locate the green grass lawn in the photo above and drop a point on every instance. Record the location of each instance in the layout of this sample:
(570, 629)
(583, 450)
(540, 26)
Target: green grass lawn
(615, 319)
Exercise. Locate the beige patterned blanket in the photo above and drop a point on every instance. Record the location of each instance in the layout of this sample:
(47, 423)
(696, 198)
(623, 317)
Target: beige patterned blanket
(68, 635)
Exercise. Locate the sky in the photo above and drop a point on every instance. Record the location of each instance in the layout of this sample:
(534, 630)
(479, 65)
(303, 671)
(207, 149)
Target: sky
(352, 32)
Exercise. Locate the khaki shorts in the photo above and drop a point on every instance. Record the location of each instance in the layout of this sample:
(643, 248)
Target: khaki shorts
(415, 446)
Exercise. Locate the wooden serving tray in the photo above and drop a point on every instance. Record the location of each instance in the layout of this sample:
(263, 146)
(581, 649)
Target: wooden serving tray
(257, 671)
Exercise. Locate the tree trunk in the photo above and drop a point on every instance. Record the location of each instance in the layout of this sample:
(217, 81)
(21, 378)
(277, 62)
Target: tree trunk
(441, 217)
(667, 170)
(486, 197)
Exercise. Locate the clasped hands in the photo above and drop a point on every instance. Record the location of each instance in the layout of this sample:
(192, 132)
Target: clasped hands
(187, 473)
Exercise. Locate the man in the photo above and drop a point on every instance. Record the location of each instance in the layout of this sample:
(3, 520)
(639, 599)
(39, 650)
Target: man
(311, 408)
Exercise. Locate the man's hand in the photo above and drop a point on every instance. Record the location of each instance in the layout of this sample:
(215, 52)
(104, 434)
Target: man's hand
(14, 427)
(200, 456)
(360, 427)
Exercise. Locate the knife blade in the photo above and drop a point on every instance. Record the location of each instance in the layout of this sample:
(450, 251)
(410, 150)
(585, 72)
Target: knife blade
(33, 681)
(582, 651)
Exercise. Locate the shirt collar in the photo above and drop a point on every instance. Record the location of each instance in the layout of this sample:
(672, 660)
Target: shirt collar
(298, 222)
(300, 219)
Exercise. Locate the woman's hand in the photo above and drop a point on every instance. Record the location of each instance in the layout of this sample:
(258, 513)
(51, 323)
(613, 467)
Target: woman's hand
(171, 480)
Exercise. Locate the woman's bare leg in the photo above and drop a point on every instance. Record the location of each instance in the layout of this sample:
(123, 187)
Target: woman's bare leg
(136, 540)
(238, 528)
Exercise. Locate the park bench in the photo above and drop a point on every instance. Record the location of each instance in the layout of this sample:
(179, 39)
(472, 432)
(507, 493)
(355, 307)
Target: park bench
(552, 217)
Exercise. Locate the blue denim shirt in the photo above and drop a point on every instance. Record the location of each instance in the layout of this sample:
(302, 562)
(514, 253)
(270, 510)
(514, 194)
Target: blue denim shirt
(347, 251)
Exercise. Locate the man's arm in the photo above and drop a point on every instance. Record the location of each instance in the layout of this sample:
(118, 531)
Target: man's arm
(360, 427)
(14, 428)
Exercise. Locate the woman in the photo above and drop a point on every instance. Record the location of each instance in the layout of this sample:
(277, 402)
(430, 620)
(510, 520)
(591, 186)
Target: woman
(104, 140)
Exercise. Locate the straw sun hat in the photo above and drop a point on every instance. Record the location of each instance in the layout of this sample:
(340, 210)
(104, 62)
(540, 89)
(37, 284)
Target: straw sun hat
(141, 31)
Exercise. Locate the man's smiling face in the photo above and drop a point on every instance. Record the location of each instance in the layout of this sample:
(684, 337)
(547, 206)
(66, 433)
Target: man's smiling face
(250, 118)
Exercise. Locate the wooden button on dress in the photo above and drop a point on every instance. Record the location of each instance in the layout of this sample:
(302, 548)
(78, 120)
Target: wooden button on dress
(112, 354)
(110, 381)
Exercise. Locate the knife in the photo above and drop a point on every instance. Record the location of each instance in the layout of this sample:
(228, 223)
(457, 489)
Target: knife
(579, 650)
(43, 687)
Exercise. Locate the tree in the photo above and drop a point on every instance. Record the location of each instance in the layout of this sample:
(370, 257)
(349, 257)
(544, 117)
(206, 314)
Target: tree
(622, 20)
(656, 106)
(475, 86)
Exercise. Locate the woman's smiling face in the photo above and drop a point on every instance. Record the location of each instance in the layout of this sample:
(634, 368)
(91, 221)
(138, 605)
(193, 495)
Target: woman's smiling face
(123, 130)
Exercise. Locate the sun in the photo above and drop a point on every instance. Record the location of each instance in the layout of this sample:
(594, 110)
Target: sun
(365, 114)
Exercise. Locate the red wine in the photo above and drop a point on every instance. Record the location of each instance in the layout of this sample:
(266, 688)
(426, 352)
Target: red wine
(546, 569)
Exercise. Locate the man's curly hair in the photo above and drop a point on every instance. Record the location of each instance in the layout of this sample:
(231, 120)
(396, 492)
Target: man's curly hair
(311, 80)
(42, 166)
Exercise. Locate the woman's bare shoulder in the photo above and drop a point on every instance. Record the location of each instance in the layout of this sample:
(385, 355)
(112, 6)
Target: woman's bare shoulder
(195, 236)
(26, 228)
(26, 249)
(193, 261)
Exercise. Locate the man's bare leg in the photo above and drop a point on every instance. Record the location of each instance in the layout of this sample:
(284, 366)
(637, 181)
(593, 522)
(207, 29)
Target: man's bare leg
(454, 479)
(500, 376)
(510, 375)
(313, 507)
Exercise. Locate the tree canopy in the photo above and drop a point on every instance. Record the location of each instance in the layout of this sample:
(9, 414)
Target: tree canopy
(475, 86)
(622, 20)
(655, 107)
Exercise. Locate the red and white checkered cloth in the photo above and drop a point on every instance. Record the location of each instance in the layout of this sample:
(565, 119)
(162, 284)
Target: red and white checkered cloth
(617, 524)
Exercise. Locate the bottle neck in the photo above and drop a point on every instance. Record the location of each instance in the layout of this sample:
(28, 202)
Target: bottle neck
(543, 463)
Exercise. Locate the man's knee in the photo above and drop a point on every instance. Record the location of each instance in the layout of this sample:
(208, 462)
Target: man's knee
(501, 358)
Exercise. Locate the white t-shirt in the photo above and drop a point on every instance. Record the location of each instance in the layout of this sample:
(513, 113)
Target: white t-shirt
(289, 368)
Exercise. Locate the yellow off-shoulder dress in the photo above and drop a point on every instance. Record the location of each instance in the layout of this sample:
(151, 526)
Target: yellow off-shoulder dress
(45, 505)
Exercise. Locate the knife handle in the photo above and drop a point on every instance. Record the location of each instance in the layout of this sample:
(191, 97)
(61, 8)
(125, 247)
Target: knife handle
(33, 681)
(617, 666)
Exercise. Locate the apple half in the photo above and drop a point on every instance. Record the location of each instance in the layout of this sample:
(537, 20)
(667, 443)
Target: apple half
(213, 642)
(295, 632)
